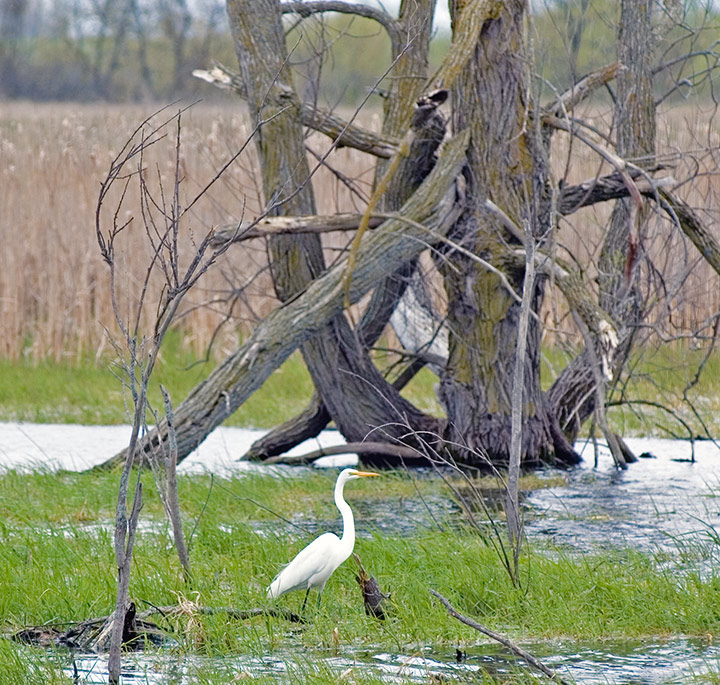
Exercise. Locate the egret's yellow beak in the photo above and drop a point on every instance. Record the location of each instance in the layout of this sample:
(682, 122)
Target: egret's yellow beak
(366, 473)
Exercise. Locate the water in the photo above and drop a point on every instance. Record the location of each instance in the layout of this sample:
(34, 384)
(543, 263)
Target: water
(75, 448)
(658, 504)
(642, 662)
(662, 504)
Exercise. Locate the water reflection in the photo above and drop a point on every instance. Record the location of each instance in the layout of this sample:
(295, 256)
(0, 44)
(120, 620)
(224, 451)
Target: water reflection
(655, 505)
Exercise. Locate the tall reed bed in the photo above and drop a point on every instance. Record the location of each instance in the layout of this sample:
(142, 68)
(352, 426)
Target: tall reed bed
(54, 295)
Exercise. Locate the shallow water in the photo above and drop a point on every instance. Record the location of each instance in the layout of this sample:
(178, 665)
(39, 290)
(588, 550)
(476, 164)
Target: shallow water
(664, 504)
(75, 448)
(643, 662)
(658, 504)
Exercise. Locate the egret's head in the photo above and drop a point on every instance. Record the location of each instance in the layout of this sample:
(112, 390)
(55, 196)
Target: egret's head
(350, 474)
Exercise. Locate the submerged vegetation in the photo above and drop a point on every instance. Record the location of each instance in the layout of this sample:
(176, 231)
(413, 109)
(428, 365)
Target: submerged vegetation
(57, 566)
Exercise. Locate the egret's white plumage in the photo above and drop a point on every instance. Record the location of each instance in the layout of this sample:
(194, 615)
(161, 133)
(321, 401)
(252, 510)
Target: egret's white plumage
(316, 563)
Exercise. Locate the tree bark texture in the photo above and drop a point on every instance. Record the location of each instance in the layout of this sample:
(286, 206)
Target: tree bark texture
(507, 165)
(431, 211)
(619, 292)
(354, 392)
(410, 41)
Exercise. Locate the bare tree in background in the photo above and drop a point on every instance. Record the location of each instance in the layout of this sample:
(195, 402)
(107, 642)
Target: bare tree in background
(110, 50)
(482, 201)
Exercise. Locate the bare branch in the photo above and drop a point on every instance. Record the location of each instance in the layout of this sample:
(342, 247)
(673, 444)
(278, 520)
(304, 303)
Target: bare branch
(529, 658)
(307, 9)
(621, 166)
(318, 119)
(512, 498)
(581, 90)
(272, 225)
(604, 188)
(169, 494)
(690, 223)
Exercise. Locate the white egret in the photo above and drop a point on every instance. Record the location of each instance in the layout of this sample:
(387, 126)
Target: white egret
(317, 562)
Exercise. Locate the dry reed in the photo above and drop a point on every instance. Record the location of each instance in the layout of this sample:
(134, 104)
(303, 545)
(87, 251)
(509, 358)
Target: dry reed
(54, 298)
(681, 289)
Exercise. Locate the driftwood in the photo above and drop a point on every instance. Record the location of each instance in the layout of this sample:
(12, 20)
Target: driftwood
(400, 452)
(274, 225)
(93, 634)
(529, 658)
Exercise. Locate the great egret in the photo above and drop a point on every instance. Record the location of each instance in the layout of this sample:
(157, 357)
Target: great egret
(317, 562)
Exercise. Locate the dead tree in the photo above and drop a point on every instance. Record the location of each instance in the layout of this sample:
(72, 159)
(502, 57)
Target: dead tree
(160, 221)
(482, 204)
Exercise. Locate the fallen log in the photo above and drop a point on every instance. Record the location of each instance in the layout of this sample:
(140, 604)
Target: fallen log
(92, 635)
(399, 451)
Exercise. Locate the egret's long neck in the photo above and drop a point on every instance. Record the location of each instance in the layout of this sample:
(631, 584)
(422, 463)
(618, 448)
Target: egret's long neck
(348, 536)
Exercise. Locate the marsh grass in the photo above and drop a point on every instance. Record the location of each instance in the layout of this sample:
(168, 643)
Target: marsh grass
(660, 395)
(56, 565)
(22, 665)
(87, 393)
(90, 393)
(54, 297)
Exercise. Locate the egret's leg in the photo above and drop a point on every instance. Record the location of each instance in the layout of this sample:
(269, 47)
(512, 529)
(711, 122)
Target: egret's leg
(319, 598)
(307, 592)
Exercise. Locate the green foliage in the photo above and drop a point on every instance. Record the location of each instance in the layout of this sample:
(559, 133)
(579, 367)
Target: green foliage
(28, 666)
(57, 565)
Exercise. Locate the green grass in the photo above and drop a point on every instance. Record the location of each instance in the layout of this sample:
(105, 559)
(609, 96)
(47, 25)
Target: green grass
(91, 393)
(57, 565)
(657, 376)
(28, 666)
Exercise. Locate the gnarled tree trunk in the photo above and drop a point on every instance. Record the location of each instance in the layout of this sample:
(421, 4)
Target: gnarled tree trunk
(353, 391)
(635, 112)
(506, 197)
(409, 51)
(507, 164)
